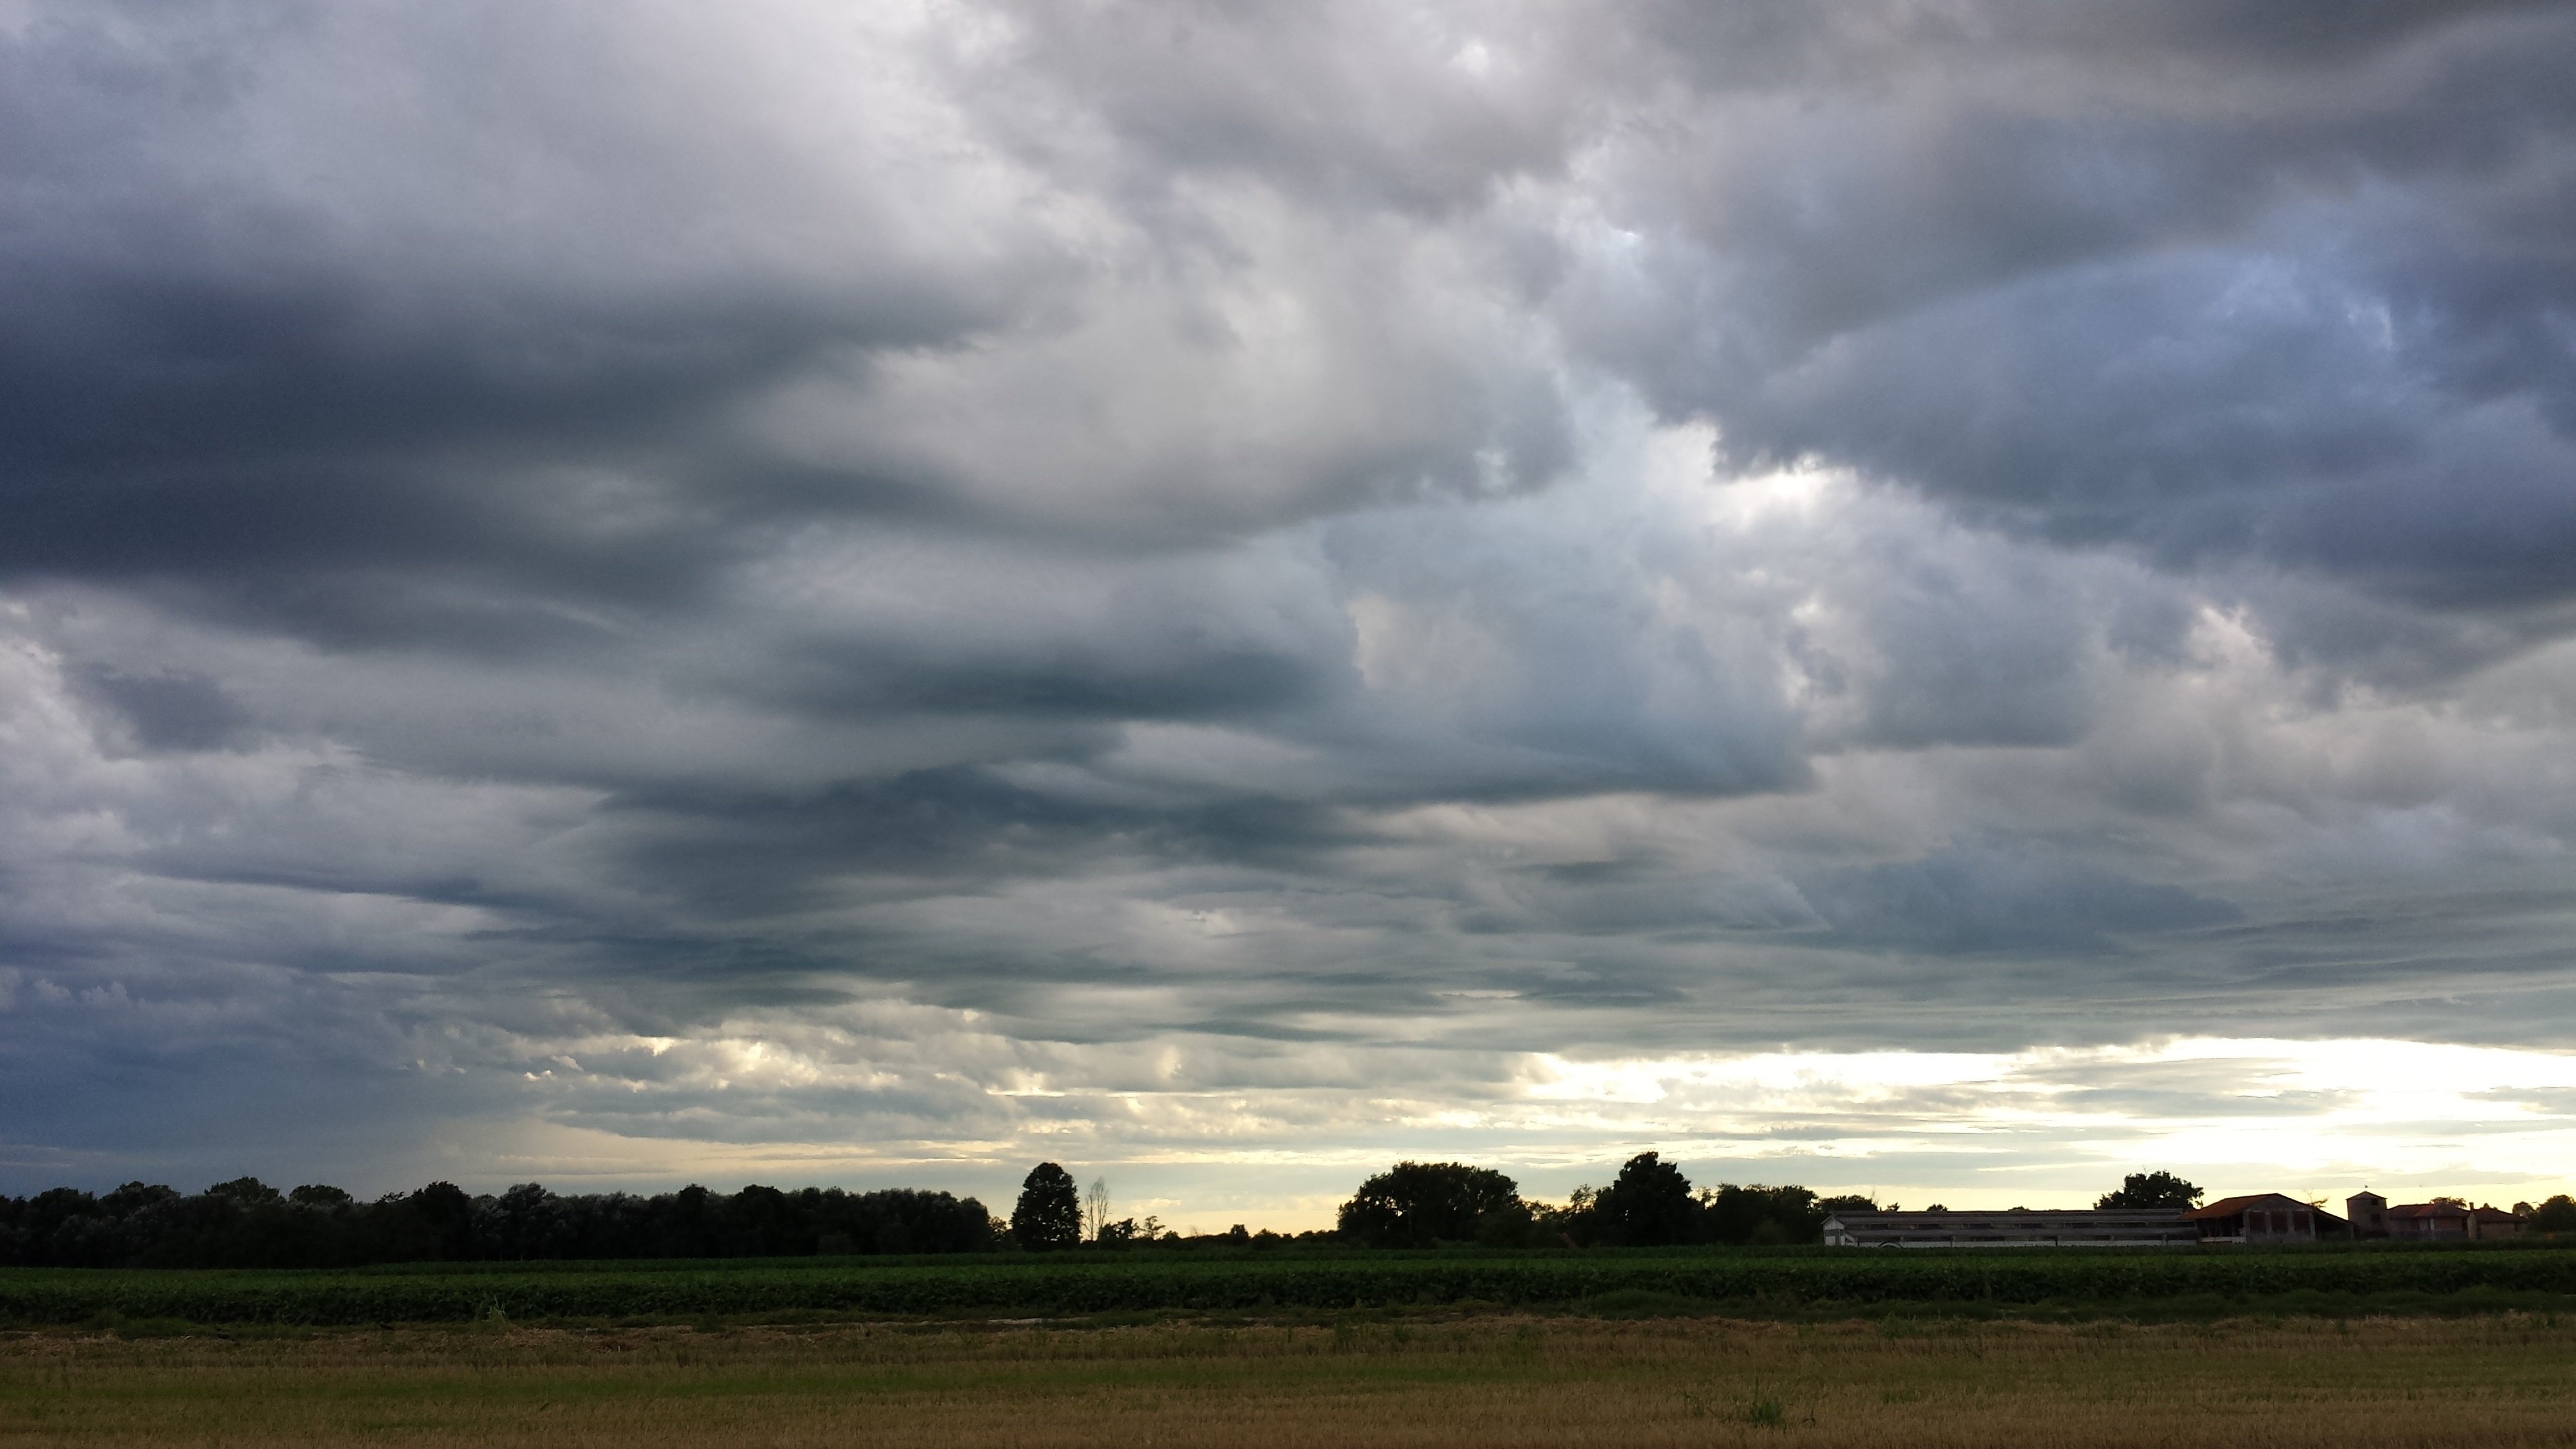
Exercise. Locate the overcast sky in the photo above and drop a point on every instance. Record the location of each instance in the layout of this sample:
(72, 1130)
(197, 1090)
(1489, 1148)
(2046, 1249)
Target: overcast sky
(1956, 597)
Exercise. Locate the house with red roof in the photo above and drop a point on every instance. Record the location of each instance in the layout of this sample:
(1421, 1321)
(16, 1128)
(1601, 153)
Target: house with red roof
(2490, 1222)
(2441, 1220)
(2426, 1221)
(2265, 1217)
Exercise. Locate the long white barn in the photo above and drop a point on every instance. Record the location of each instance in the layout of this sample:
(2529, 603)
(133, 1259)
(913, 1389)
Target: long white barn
(2017, 1228)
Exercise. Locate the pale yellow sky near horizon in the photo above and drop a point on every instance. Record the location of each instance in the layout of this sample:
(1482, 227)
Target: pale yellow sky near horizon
(2043, 1127)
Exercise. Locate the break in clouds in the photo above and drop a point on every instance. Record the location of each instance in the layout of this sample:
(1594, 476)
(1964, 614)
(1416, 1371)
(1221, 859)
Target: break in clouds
(873, 592)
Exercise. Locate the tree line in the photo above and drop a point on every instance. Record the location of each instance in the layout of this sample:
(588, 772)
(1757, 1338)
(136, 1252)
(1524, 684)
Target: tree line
(1430, 1204)
(246, 1223)
(1649, 1204)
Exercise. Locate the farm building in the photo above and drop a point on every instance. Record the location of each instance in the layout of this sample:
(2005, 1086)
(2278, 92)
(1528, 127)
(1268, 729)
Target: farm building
(2429, 1220)
(2265, 1217)
(2487, 1222)
(2438, 1220)
(2016, 1228)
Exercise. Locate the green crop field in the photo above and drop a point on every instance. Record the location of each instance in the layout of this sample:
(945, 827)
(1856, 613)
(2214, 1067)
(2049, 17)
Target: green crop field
(1779, 1283)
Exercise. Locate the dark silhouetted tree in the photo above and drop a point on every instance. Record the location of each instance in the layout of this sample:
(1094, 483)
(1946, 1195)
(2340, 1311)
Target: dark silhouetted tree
(2151, 1190)
(245, 1190)
(449, 1215)
(1416, 1204)
(1761, 1215)
(1049, 1214)
(1650, 1205)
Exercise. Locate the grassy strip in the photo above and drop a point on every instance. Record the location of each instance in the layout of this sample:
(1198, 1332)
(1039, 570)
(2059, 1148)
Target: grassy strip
(1785, 1284)
(1494, 1382)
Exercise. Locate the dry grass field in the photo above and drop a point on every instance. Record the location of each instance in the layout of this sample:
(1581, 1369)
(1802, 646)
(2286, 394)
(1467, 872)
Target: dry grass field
(1464, 1381)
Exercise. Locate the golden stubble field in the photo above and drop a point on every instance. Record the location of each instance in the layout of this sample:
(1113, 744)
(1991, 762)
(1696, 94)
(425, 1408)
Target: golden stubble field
(1468, 1381)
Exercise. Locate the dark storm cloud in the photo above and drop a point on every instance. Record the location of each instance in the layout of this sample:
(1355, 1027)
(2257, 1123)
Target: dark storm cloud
(329, 354)
(2003, 900)
(730, 573)
(169, 710)
(2209, 280)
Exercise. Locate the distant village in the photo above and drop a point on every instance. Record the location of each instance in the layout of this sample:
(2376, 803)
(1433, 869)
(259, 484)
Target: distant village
(2263, 1217)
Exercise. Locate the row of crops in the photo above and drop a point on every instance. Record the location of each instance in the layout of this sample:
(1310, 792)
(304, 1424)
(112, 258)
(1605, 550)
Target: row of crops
(1063, 1287)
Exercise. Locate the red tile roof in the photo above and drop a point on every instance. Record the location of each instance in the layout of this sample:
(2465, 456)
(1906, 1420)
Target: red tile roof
(2228, 1207)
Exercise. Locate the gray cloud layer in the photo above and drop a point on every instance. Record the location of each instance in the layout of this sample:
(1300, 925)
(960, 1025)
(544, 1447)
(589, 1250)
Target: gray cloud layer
(1000, 558)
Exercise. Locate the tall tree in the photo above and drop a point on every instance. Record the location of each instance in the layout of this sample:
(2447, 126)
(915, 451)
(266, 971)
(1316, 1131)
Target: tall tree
(2151, 1190)
(1648, 1206)
(1760, 1214)
(1049, 1214)
(1416, 1204)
